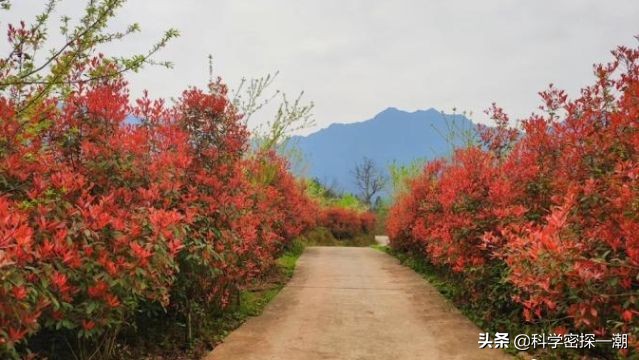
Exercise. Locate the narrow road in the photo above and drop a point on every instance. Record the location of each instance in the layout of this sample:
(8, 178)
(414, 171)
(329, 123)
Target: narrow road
(382, 239)
(355, 303)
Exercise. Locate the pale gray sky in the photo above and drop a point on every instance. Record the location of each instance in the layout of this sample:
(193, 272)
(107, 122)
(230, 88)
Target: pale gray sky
(355, 58)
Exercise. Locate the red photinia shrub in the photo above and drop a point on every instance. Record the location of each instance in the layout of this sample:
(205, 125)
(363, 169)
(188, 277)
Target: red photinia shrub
(418, 201)
(464, 211)
(584, 253)
(555, 205)
(345, 223)
(367, 220)
(244, 209)
(98, 217)
(80, 244)
(283, 196)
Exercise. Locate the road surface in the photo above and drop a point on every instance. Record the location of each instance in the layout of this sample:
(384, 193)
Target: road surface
(382, 239)
(355, 303)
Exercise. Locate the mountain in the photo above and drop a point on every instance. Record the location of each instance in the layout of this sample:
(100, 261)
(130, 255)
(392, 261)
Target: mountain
(393, 135)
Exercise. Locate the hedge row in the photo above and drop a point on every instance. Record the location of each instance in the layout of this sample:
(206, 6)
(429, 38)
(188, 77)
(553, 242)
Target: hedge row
(546, 219)
(346, 223)
(100, 218)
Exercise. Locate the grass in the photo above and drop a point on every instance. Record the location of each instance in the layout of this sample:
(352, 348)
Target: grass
(382, 248)
(253, 303)
(288, 260)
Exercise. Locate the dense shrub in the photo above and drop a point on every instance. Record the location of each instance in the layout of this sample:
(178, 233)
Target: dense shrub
(551, 211)
(81, 245)
(99, 218)
(346, 223)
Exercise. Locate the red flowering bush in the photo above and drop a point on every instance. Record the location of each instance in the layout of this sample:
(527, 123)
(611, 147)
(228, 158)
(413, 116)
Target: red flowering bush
(580, 259)
(242, 208)
(284, 197)
(367, 221)
(81, 244)
(346, 223)
(551, 211)
(402, 216)
(99, 218)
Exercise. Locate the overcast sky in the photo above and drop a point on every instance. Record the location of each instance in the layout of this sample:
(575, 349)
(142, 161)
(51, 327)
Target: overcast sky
(355, 58)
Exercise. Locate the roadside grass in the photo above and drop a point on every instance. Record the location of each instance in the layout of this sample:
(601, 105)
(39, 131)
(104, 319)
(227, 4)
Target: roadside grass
(382, 248)
(288, 260)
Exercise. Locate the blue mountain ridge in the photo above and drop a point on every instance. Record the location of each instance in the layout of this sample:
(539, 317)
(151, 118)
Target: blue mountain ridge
(393, 135)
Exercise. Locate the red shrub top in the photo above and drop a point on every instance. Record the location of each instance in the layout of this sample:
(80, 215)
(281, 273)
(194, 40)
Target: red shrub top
(346, 223)
(79, 239)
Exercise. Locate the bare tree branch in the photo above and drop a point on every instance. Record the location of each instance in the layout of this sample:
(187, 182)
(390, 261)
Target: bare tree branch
(369, 180)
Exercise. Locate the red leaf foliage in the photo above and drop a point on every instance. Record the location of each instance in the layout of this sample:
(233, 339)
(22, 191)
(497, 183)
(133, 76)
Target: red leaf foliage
(554, 209)
(346, 223)
(98, 217)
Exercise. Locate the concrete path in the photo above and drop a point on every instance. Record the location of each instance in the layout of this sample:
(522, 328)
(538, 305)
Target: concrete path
(355, 303)
(382, 239)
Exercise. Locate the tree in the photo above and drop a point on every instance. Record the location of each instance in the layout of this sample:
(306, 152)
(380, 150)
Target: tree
(369, 180)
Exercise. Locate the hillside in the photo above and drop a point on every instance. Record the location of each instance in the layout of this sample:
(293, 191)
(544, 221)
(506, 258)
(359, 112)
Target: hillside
(330, 154)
